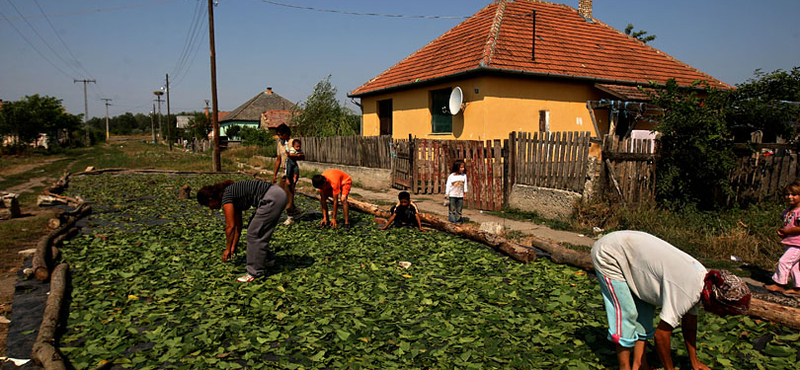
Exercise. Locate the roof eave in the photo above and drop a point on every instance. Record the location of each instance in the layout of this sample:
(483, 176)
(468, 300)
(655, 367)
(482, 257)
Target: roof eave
(481, 69)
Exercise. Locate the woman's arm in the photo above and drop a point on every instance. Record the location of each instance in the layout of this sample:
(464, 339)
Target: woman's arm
(663, 338)
(233, 229)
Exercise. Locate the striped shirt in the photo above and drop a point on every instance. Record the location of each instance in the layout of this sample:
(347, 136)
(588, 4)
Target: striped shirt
(245, 194)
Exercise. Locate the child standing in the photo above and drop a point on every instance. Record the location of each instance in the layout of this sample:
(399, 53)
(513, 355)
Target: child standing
(789, 264)
(455, 190)
(404, 213)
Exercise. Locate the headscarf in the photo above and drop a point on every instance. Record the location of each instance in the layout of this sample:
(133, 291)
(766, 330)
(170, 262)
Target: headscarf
(725, 293)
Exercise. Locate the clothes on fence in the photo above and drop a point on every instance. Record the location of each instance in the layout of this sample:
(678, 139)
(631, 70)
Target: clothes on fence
(405, 215)
(655, 272)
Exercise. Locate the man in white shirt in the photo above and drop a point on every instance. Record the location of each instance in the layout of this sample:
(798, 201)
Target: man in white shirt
(637, 272)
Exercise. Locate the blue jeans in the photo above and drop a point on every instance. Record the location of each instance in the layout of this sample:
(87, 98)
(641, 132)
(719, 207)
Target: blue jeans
(455, 209)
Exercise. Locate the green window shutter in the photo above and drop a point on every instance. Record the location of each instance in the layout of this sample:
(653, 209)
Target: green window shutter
(441, 121)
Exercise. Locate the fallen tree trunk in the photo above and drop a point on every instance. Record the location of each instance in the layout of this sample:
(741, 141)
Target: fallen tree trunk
(44, 352)
(43, 258)
(497, 242)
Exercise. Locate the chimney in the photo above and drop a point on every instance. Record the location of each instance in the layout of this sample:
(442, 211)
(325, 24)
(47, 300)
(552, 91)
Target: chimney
(585, 9)
(269, 91)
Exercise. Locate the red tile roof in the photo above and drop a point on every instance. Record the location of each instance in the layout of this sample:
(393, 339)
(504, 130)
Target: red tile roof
(498, 39)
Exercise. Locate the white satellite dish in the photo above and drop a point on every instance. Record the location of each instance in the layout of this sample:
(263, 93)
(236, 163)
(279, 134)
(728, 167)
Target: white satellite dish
(456, 99)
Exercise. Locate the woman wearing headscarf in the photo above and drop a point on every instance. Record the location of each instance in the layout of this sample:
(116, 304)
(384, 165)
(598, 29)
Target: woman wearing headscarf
(637, 273)
(235, 197)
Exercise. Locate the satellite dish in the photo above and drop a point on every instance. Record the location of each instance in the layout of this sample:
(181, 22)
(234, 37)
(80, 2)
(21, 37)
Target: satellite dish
(456, 99)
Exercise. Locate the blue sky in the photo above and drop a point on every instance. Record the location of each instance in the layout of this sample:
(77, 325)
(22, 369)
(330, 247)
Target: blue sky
(129, 46)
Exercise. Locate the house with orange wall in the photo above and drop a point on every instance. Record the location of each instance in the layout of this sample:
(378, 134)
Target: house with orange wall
(523, 65)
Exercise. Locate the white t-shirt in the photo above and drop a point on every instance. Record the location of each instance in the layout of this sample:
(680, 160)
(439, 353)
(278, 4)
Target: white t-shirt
(456, 185)
(656, 272)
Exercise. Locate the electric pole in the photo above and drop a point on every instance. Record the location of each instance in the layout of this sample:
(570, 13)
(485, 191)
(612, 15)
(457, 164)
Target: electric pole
(216, 162)
(158, 94)
(107, 100)
(152, 125)
(86, 107)
(169, 122)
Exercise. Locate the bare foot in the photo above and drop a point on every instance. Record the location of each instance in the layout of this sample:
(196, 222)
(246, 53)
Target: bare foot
(774, 288)
(792, 291)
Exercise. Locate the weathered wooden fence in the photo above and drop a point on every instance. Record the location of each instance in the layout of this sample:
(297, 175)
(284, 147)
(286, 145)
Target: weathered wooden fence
(433, 160)
(365, 151)
(759, 175)
(557, 160)
(629, 169)
(402, 173)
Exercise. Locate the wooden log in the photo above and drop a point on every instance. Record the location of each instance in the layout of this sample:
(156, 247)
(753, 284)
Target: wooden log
(44, 352)
(559, 254)
(784, 315)
(518, 252)
(54, 223)
(43, 258)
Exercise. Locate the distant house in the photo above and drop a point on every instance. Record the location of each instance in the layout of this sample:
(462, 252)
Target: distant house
(265, 110)
(182, 121)
(523, 65)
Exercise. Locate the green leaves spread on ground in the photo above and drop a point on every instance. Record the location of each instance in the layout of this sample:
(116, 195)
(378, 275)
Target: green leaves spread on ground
(150, 291)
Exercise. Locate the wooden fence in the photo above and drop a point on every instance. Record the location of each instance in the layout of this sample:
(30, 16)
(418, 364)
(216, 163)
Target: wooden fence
(629, 169)
(432, 161)
(757, 176)
(557, 160)
(365, 151)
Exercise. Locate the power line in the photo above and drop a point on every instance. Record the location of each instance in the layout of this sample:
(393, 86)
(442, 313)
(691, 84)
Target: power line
(96, 10)
(43, 40)
(190, 35)
(363, 13)
(34, 47)
(62, 40)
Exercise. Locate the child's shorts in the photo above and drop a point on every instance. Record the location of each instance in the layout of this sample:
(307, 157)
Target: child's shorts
(292, 169)
(630, 319)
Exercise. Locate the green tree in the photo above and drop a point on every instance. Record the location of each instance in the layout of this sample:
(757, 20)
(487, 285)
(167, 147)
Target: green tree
(233, 131)
(33, 115)
(696, 153)
(199, 125)
(639, 35)
(322, 115)
(767, 102)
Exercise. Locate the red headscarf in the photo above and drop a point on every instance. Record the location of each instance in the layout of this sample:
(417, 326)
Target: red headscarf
(725, 293)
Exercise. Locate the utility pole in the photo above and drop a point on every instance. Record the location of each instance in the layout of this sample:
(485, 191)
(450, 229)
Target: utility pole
(216, 161)
(158, 94)
(169, 122)
(152, 125)
(85, 107)
(107, 100)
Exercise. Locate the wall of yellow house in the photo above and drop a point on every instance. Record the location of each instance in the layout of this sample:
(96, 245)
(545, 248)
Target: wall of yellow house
(494, 106)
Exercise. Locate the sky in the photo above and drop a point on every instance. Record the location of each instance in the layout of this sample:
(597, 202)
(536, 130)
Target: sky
(129, 46)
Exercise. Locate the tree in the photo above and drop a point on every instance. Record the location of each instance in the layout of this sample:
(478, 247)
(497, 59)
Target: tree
(696, 150)
(639, 35)
(233, 131)
(199, 125)
(767, 102)
(322, 115)
(33, 115)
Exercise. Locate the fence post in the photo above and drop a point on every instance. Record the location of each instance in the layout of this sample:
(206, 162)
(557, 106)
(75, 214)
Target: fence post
(509, 165)
(412, 153)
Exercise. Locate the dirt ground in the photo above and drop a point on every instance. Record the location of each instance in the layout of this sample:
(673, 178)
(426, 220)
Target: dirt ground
(32, 227)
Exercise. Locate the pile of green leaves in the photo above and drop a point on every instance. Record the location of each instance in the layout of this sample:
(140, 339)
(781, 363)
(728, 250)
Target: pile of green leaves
(150, 291)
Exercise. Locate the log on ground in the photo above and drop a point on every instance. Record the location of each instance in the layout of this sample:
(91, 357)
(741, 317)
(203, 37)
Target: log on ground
(515, 251)
(44, 353)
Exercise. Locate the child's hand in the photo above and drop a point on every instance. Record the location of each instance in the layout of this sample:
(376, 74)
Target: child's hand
(781, 233)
